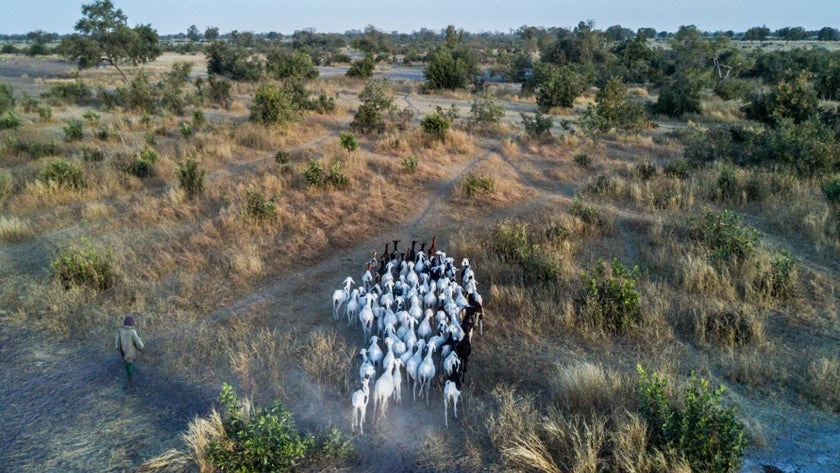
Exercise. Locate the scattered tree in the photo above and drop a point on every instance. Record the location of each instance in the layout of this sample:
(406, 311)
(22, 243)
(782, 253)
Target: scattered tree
(104, 35)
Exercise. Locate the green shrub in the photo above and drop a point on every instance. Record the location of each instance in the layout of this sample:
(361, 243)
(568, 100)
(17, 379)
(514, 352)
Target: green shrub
(831, 190)
(84, 266)
(695, 426)
(681, 96)
(450, 68)
(185, 129)
(141, 95)
(7, 97)
(74, 130)
(557, 86)
(274, 105)
(588, 214)
(76, 92)
(64, 174)
(409, 163)
(348, 141)
(257, 440)
(92, 154)
(45, 114)
(537, 125)
(486, 110)
(645, 170)
(782, 276)
(362, 69)
(509, 241)
(313, 175)
(9, 120)
(142, 165)
(323, 105)
(377, 102)
(435, 125)
(92, 118)
(258, 208)
(732, 89)
(794, 99)
(35, 149)
(27, 103)
(582, 159)
(727, 184)
(336, 178)
(614, 109)
(678, 168)
(473, 185)
(217, 91)
(282, 157)
(609, 299)
(191, 177)
(198, 119)
(722, 233)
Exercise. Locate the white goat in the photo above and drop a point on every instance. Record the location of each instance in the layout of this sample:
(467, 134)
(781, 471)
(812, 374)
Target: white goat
(411, 367)
(360, 402)
(426, 372)
(397, 381)
(383, 390)
(374, 352)
(366, 370)
(366, 316)
(450, 393)
(451, 363)
(352, 307)
(424, 331)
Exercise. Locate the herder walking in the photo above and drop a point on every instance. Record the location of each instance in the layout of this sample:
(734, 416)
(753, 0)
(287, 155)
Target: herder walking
(128, 343)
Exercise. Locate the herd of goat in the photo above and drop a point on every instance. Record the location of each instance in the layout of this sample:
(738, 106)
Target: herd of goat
(423, 309)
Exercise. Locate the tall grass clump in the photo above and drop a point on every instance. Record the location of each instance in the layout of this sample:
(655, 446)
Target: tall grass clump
(191, 177)
(694, 425)
(84, 266)
(328, 359)
(824, 383)
(7, 184)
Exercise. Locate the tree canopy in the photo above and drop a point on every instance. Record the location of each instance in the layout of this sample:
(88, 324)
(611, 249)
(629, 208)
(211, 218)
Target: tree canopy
(103, 34)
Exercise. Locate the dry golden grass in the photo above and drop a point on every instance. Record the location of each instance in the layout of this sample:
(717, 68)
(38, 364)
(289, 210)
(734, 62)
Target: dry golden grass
(328, 359)
(589, 389)
(14, 229)
(824, 383)
(200, 433)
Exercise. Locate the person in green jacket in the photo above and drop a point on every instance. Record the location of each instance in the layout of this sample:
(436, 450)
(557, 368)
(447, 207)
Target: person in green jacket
(129, 345)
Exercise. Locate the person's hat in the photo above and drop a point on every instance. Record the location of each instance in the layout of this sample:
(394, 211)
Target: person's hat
(128, 320)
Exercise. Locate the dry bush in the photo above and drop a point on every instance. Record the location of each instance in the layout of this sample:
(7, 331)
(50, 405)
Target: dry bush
(328, 359)
(170, 461)
(200, 433)
(588, 390)
(251, 135)
(824, 383)
(14, 229)
(260, 361)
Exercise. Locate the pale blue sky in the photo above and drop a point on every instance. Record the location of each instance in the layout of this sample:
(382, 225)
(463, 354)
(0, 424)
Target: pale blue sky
(174, 16)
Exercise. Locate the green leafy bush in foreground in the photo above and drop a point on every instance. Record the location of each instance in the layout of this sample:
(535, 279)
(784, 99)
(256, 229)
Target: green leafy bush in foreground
(259, 439)
(696, 426)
